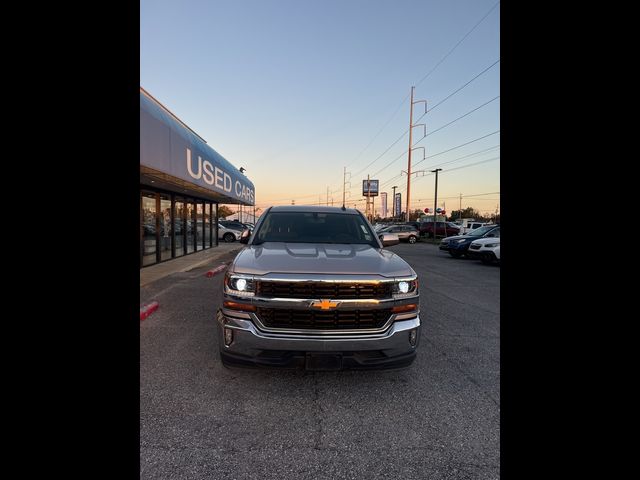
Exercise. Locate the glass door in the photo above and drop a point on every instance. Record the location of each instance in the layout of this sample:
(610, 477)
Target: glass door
(178, 225)
(207, 225)
(148, 225)
(166, 227)
(190, 226)
(199, 226)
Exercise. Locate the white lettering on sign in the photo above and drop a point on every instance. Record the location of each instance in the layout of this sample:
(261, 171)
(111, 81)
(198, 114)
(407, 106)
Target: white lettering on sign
(218, 177)
(207, 176)
(189, 166)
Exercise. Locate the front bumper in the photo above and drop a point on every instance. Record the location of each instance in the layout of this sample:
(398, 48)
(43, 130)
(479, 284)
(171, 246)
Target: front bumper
(454, 246)
(255, 348)
(480, 254)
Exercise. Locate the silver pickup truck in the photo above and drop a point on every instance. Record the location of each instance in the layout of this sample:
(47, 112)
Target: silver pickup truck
(315, 289)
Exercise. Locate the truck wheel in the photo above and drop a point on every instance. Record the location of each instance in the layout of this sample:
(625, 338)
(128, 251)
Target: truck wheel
(412, 239)
(228, 237)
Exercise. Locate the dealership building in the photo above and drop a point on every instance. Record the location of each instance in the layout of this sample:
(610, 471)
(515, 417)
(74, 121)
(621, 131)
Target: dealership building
(182, 181)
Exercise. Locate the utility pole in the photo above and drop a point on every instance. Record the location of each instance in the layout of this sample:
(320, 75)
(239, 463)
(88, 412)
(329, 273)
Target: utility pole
(344, 183)
(327, 196)
(461, 207)
(409, 159)
(373, 209)
(435, 205)
(411, 125)
(394, 201)
(368, 198)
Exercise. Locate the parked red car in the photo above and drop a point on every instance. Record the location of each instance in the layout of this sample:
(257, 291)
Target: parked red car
(443, 229)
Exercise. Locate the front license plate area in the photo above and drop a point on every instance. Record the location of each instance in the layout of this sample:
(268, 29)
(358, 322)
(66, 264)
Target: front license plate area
(323, 361)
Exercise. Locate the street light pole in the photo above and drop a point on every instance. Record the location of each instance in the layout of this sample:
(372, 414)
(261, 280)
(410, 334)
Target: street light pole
(435, 205)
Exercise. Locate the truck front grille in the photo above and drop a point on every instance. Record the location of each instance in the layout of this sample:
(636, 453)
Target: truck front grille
(337, 290)
(323, 320)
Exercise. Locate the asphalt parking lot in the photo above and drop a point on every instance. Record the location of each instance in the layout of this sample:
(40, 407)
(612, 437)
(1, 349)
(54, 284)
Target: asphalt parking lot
(439, 418)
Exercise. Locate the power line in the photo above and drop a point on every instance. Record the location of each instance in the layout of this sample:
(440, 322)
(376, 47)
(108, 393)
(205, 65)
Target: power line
(457, 44)
(468, 113)
(460, 88)
(461, 167)
(460, 158)
(440, 128)
(435, 154)
(479, 194)
(444, 163)
(472, 164)
(379, 132)
(381, 155)
(458, 146)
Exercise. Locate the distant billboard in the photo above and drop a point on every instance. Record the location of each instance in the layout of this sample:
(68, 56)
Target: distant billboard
(370, 188)
(398, 204)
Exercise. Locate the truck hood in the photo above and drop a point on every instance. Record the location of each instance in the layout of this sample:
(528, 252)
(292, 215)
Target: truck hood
(319, 258)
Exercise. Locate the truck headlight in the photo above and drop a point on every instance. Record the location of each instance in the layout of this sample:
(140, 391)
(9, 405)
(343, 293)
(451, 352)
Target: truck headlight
(239, 285)
(405, 288)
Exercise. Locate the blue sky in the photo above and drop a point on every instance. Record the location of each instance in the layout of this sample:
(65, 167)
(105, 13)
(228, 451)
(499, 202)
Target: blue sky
(296, 90)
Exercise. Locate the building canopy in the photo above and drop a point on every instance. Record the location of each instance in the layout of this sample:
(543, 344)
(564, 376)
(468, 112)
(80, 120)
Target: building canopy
(174, 157)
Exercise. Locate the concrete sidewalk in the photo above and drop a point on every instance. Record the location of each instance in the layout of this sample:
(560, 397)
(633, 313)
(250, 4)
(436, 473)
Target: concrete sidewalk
(187, 262)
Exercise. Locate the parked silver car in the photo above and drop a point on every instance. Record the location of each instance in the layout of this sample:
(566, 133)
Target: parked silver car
(406, 233)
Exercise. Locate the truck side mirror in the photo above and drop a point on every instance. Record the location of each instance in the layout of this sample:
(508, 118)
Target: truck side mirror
(246, 234)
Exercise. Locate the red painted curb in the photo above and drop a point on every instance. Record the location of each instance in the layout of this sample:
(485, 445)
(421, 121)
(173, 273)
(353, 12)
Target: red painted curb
(148, 309)
(218, 269)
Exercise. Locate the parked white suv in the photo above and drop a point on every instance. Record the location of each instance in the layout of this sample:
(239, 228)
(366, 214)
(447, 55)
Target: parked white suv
(468, 226)
(485, 249)
(228, 234)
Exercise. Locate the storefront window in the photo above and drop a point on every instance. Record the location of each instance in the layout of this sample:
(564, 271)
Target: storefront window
(178, 226)
(148, 228)
(190, 226)
(173, 226)
(207, 225)
(165, 227)
(199, 226)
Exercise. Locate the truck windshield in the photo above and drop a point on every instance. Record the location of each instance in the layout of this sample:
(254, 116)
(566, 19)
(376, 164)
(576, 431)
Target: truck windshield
(314, 227)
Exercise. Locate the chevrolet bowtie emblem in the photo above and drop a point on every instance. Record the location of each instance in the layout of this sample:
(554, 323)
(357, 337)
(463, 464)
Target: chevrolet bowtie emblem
(325, 304)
